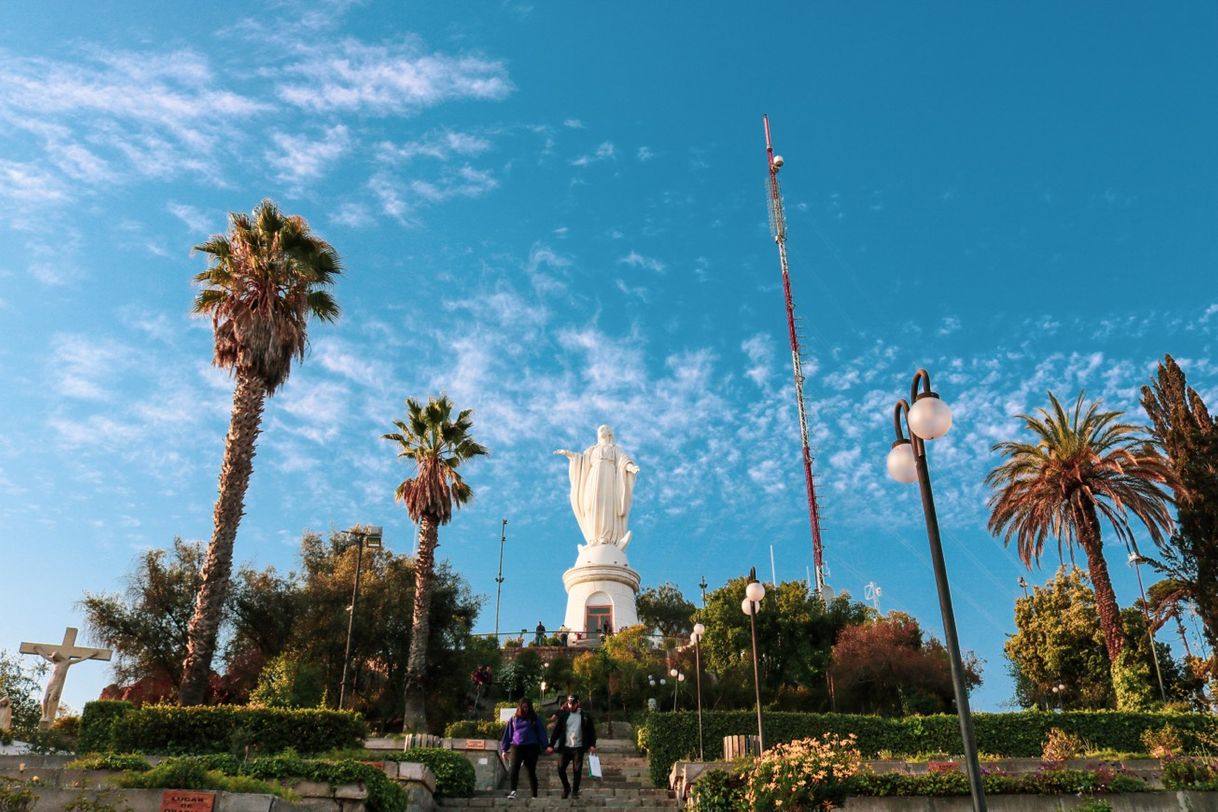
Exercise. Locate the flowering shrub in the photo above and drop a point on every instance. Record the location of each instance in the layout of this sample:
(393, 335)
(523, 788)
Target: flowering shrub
(1060, 745)
(803, 775)
(717, 791)
(1163, 742)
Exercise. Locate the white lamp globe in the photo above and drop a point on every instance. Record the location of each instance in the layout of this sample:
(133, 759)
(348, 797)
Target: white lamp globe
(672, 672)
(901, 465)
(755, 592)
(694, 638)
(680, 678)
(699, 630)
(930, 417)
(746, 606)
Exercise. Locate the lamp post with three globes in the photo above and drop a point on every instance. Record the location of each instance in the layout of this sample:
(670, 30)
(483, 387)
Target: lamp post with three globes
(929, 417)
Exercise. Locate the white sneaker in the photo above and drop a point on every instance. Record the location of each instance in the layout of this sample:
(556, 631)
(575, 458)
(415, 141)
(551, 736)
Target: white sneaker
(512, 795)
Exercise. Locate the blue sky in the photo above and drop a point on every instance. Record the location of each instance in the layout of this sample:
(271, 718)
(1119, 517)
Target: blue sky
(556, 214)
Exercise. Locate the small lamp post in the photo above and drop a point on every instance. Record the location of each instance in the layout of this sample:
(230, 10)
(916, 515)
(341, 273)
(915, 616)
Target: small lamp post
(928, 418)
(754, 594)
(369, 537)
(1023, 584)
(1135, 561)
(677, 679)
(696, 638)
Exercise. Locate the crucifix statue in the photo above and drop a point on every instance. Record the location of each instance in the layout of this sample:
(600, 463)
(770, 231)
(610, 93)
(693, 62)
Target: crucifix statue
(62, 656)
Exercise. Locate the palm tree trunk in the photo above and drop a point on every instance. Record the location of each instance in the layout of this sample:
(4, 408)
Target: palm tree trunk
(249, 397)
(1105, 598)
(414, 717)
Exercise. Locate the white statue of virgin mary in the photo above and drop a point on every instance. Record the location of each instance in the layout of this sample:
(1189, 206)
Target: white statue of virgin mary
(602, 484)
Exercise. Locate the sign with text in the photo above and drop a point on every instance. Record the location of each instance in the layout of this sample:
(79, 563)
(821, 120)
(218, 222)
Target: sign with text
(475, 744)
(187, 800)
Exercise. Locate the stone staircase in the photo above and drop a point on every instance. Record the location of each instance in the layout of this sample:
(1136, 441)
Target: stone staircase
(625, 785)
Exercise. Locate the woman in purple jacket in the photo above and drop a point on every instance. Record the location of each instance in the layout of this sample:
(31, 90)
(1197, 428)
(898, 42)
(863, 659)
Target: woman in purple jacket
(525, 736)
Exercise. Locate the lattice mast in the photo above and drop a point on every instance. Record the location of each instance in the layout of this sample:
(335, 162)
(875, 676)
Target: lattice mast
(778, 226)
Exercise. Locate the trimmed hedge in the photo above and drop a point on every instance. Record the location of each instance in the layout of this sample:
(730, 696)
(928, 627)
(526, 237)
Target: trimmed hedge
(674, 736)
(474, 729)
(170, 730)
(97, 724)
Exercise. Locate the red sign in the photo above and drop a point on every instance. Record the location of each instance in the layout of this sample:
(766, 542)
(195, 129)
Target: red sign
(187, 800)
(475, 744)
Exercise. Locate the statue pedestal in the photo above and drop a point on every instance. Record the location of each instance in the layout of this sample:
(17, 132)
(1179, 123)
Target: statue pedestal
(601, 588)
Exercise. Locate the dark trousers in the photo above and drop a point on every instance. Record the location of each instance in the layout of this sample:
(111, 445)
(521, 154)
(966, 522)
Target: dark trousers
(525, 754)
(573, 756)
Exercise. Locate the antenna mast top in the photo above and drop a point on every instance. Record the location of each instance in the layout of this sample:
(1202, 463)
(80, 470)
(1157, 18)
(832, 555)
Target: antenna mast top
(778, 226)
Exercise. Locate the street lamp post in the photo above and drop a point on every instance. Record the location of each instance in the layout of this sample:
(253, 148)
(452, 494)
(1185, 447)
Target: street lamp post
(696, 638)
(1023, 584)
(1135, 561)
(754, 593)
(677, 679)
(702, 585)
(371, 537)
(499, 577)
(929, 417)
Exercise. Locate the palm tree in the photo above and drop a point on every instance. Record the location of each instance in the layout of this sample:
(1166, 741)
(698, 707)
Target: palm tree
(265, 279)
(1083, 465)
(1167, 600)
(437, 445)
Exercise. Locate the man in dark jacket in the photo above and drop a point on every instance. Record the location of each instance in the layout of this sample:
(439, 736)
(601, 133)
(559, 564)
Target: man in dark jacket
(573, 735)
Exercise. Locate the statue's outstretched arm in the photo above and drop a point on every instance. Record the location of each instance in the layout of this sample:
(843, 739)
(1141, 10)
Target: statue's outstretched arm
(562, 452)
(632, 468)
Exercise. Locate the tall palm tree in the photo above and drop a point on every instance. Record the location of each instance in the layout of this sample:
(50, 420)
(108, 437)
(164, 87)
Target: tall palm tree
(1082, 465)
(1167, 600)
(437, 445)
(265, 279)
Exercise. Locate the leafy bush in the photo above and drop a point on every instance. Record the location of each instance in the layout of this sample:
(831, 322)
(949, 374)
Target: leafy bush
(717, 791)
(474, 729)
(674, 736)
(1163, 743)
(455, 777)
(97, 724)
(172, 730)
(264, 774)
(806, 774)
(188, 773)
(1060, 745)
(1188, 773)
(16, 796)
(104, 801)
(110, 761)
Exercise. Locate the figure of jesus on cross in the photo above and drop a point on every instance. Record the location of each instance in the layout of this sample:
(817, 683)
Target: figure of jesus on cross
(62, 656)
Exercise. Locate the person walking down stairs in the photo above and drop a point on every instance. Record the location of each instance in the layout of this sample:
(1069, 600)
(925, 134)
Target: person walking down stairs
(573, 735)
(524, 736)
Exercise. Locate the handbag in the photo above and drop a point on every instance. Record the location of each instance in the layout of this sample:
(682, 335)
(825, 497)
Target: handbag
(594, 765)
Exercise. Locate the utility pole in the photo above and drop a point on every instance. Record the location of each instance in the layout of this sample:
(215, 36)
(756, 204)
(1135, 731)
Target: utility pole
(499, 577)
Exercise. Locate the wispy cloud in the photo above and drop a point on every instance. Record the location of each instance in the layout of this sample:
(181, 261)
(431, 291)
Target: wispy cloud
(440, 145)
(636, 260)
(352, 76)
(573, 123)
(299, 158)
(605, 152)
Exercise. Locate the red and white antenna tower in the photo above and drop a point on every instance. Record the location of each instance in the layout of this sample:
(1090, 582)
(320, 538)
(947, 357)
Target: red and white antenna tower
(778, 225)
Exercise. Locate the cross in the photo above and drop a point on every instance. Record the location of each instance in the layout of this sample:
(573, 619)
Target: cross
(62, 656)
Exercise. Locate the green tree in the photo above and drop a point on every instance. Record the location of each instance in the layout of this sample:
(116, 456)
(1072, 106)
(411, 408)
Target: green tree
(288, 682)
(665, 608)
(1188, 434)
(437, 445)
(266, 278)
(20, 683)
(795, 636)
(147, 627)
(1059, 643)
(1081, 465)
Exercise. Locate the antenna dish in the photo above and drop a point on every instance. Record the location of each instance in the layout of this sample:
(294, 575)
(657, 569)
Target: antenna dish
(777, 161)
